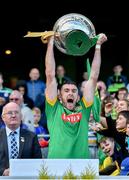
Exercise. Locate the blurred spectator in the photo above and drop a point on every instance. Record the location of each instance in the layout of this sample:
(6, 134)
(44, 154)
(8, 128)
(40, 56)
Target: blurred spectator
(13, 81)
(27, 114)
(101, 86)
(122, 93)
(61, 75)
(92, 139)
(4, 96)
(113, 159)
(85, 76)
(117, 130)
(125, 167)
(43, 136)
(35, 86)
(22, 88)
(81, 88)
(81, 85)
(39, 130)
(109, 102)
(127, 135)
(4, 91)
(122, 105)
(117, 80)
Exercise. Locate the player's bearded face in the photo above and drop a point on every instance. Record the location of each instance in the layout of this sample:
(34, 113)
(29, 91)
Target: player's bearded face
(69, 96)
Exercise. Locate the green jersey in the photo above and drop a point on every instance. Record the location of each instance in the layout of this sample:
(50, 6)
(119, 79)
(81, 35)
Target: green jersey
(68, 130)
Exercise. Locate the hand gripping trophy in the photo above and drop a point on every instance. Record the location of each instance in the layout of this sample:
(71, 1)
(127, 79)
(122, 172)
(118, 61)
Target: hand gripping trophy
(74, 34)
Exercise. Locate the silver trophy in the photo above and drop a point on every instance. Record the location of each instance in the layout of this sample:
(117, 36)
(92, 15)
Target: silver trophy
(76, 34)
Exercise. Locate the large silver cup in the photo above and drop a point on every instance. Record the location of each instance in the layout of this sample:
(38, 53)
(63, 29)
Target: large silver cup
(76, 34)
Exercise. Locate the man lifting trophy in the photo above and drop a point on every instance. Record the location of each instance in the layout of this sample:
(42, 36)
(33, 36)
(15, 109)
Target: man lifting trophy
(67, 114)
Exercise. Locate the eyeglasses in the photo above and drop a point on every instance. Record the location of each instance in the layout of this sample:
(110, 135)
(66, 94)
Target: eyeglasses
(10, 113)
(13, 99)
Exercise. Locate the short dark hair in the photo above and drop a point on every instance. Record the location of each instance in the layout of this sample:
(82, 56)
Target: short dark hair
(125, 114)
(68, 82)
(123, 89)
(104, 138)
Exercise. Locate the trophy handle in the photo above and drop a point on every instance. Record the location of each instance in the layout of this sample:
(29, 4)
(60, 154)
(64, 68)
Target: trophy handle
(44, 35)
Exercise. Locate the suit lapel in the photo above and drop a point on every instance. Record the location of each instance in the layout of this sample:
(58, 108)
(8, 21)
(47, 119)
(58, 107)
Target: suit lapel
(5, 144)
(21, 142)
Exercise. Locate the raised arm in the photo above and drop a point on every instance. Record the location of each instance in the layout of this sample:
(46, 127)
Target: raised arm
(51, 85)
(90, 86)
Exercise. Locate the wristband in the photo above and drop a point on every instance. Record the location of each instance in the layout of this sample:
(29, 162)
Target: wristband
(98, 46)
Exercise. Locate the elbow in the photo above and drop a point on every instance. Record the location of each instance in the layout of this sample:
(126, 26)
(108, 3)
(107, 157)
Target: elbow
(50, 73)
(50, 76)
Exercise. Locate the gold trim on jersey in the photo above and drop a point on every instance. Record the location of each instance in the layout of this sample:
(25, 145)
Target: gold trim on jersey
(51, 102)
(87, 104)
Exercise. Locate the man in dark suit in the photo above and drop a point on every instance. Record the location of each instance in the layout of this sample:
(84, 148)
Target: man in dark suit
(26, 142)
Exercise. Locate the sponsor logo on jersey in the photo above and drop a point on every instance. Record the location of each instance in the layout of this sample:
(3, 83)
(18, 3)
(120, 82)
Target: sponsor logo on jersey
(73, 118)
